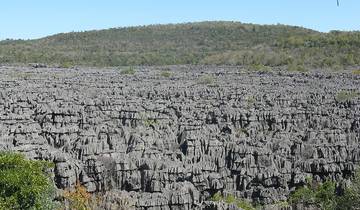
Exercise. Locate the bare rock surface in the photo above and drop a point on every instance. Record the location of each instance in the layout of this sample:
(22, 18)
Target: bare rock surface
(173, 141)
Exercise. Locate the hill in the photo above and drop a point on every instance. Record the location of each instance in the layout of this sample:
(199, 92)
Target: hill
(232, 43)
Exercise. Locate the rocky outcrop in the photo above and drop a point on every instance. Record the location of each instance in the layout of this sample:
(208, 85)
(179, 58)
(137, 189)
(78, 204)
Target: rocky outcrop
(172, 142)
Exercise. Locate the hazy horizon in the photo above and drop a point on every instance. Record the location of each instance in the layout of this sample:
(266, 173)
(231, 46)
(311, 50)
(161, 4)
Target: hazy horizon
(40, 18)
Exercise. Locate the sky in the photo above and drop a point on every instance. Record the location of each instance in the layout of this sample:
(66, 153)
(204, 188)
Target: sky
(30, 19)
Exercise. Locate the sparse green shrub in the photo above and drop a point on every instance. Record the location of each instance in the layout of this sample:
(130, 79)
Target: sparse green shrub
(146, 120)
(343, 95)
(282, 204)
(250, 100)
(296, 67)
(351, 196)
(150, 122)
(356, 72)
(337, 67)
(322, 195)
(25, 184)
(259, 67)
(325, 195)
(240, 131)
(166, 74)
(206, 80)
(216, 197)
(231, 199)
(243, 204)
(303, 195)
(66, 65)
(128, 71)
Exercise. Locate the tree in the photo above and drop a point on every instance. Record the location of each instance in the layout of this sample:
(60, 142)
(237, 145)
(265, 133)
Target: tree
(24, 184)
(351, 197)
(322, 195)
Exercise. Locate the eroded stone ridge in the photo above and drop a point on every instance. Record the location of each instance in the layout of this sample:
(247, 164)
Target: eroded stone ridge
(173, 141)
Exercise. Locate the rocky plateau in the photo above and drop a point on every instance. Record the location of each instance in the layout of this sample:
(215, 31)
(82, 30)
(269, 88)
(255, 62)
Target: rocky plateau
(170, 141)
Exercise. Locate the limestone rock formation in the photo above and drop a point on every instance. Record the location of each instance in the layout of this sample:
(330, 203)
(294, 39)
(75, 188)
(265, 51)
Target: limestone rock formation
(172, 142)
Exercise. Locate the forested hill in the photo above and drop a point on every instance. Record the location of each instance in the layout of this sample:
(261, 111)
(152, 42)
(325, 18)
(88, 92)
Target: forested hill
(230, 43)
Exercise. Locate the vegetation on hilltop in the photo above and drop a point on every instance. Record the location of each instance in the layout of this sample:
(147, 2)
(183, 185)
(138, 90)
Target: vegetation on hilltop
(231, 43)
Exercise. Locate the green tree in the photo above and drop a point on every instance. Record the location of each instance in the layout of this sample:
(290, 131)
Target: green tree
(24, 184)
(322, 195)
(231, 199)
(351, 197)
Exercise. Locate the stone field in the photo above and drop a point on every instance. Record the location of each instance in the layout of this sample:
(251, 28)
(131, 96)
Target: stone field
(171, 140)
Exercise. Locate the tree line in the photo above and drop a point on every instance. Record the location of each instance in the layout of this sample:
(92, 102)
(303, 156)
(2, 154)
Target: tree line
(219, 43)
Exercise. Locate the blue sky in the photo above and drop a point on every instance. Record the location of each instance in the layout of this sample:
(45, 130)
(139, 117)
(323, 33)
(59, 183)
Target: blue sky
(27, 19)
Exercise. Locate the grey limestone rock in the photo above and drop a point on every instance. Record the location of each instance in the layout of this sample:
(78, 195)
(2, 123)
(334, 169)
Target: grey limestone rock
(171, 143)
